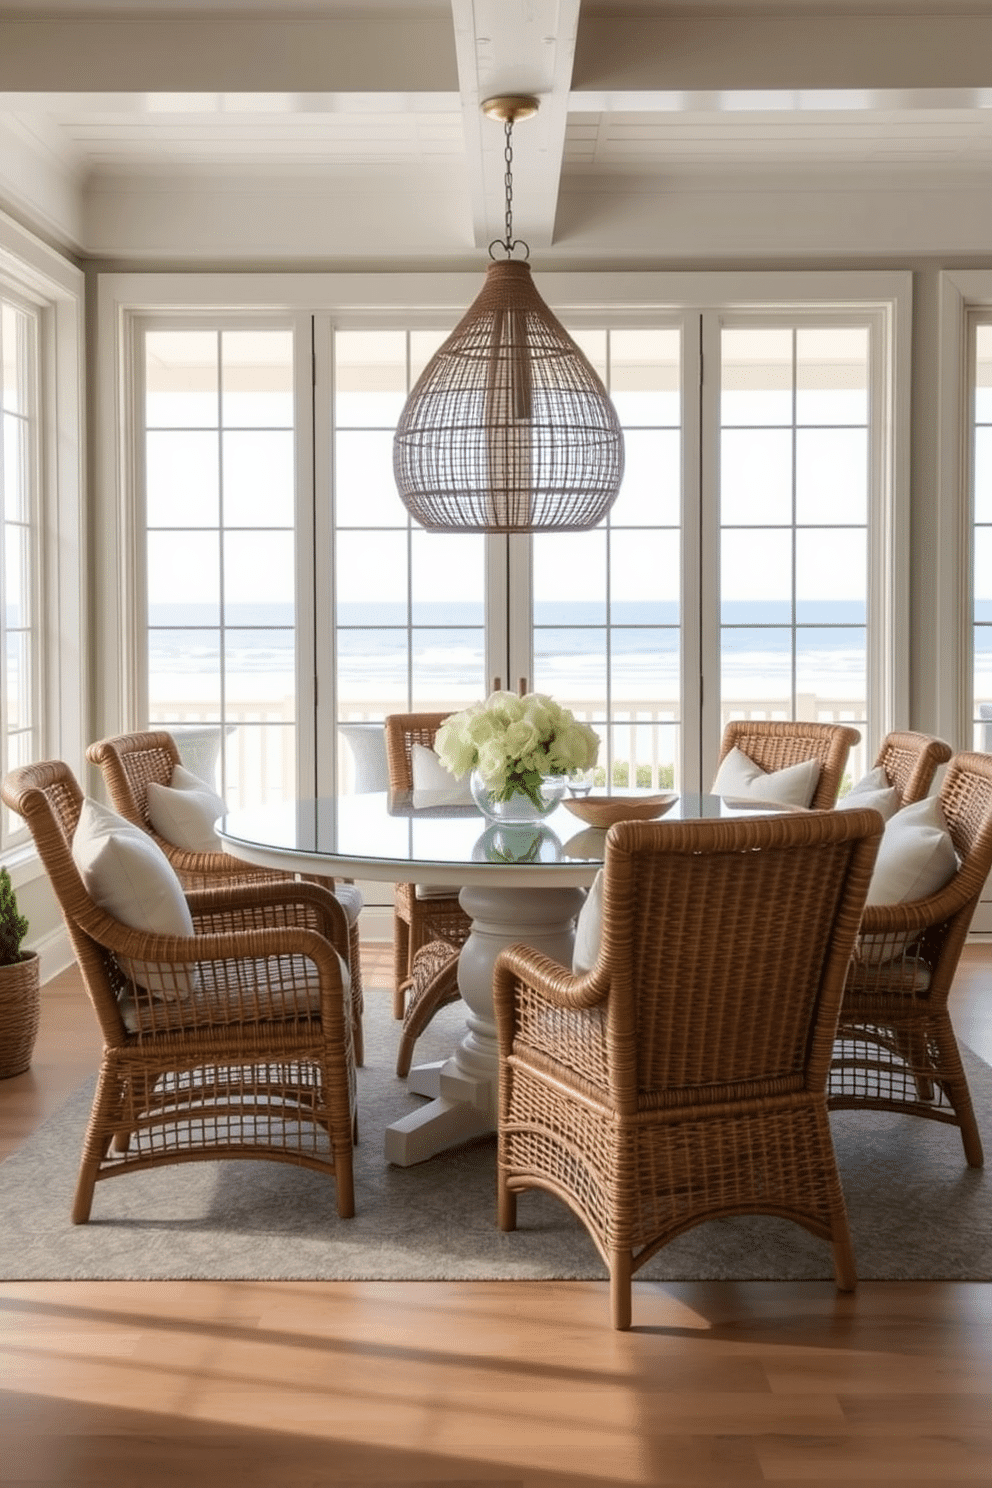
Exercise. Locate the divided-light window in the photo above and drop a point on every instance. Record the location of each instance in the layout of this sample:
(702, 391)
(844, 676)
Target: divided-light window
(20, 735)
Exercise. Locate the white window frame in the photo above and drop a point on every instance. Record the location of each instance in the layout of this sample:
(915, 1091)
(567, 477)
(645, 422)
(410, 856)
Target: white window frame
(963, 295)
(402, 301)
(44, 279)
(298, 324)
(887, 665)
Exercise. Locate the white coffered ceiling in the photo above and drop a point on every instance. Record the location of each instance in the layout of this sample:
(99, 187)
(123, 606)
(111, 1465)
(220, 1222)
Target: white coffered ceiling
(370, 110)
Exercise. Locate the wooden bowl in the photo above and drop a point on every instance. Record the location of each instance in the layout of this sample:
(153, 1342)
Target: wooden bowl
(603, 811)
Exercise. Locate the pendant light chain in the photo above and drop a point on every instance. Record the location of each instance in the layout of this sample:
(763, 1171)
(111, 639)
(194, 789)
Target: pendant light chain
(508, 183)
(509, 242)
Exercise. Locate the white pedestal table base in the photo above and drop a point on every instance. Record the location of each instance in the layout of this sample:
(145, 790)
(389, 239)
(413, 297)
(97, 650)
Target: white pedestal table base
(464, 1088)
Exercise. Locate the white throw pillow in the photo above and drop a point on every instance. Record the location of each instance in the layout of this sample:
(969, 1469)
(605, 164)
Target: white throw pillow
(738, 775)
(127, 874)
(916, 855)
(589, 928)
(433, 785)
(184, 812)
(872, 790)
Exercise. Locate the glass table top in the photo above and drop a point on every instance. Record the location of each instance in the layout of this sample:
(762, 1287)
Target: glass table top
(384, 836)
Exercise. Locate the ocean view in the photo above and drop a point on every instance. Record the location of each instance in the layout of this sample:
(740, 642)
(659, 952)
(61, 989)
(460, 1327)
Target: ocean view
(573, 650)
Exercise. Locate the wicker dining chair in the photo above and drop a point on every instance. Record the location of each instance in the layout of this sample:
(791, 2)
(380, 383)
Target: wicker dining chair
(896, 1049)
(910, 761)
(417, 919)
(775, 744)
(130, 763)
(432, 984)
(683, 1077)
(247, 1053)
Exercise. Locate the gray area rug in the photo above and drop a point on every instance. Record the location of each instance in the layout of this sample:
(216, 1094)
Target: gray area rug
(917, 1211)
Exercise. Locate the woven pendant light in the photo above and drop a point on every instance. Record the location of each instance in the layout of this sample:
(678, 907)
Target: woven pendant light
(508, 428)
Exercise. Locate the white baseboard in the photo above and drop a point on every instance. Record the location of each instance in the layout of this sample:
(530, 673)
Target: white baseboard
(377, 922)
(55, 953)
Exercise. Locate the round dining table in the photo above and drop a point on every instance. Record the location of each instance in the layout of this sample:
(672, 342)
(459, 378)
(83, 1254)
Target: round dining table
(521, 883)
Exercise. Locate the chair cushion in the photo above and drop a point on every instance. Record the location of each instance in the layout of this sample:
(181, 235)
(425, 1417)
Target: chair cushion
(738, 775)
(589, 928)
(872, 790)
(433, 785)
(259, 1000)
(127, 874)
(184, 812)
(349, 896)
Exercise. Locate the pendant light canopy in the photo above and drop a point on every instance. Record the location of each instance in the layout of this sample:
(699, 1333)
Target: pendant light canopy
(509, 428)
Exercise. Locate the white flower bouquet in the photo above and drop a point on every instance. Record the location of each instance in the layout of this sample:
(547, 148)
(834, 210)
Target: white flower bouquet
(515, 742)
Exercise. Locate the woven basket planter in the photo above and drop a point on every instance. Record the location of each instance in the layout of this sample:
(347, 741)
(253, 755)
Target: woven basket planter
(20, 1013)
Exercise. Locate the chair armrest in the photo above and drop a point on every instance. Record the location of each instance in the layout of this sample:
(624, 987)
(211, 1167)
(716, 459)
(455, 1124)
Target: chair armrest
(276, 903)
(548, 979)
(554, 1012)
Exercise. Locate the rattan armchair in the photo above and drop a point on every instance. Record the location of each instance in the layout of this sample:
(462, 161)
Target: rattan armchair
(774, 745)
(896, 1049)
(129, 763)
(252, 1059)
(910, 761)
(416, 920)
(683, 1077)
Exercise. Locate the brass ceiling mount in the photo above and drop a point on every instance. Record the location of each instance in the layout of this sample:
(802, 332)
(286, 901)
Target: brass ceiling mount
(509, 107)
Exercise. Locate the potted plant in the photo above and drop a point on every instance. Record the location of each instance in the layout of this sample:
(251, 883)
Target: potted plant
(20, 986)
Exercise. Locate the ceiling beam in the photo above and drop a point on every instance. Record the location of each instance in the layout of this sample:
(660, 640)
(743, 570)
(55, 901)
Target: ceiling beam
(246, 53)
(619, 55)
(515, 46)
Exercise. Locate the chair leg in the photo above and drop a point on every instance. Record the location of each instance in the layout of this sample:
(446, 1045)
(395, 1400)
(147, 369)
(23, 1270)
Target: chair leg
(621, 1271)
(401, 956)
(357, 994)
(506, 1205)
(952, 1076)
(845, 1267)
(345, 1179)
(82, 1201)
(970, 1139)
(103, 1129)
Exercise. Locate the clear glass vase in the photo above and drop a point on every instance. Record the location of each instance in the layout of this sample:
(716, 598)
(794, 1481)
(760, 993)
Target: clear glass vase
(518, 807)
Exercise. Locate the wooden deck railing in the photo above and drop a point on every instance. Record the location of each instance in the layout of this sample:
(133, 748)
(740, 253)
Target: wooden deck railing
(261, 738)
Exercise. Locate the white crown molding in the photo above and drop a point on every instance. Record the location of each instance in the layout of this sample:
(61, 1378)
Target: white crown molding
(39, 184)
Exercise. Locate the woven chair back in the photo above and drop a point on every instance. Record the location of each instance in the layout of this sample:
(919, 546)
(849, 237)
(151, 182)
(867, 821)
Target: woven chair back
(966, 799)
(910, 761)
(775, 744)
(402, 731)
(49, 798)
(726, 944)
(130, 763)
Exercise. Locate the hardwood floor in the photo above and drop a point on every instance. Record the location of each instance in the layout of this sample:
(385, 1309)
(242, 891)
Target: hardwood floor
(289, 1384)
